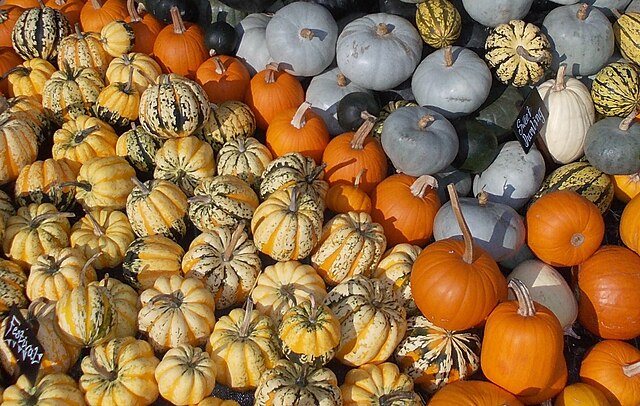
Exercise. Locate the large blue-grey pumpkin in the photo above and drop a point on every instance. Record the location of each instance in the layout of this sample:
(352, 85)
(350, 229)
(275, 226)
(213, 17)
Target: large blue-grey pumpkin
(613, 146)
(494, 12)
(419, 141)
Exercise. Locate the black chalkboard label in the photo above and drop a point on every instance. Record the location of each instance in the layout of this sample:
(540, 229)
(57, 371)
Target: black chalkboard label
(530, 120)
(23, 343)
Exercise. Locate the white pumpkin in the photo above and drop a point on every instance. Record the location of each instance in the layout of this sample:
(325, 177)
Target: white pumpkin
(547, 287)
(571, 113)
(494, 12)
(252, 46)
(513, 177)
(302, 36)
(379, 51)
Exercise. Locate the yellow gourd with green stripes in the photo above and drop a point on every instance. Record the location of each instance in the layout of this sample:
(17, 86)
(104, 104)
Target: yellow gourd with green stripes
(627, 32)
(439, 22)
(616, 89)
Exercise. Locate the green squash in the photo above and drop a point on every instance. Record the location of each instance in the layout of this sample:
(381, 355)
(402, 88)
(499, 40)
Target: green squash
(478, 144)
(501, 109)
(613, 146)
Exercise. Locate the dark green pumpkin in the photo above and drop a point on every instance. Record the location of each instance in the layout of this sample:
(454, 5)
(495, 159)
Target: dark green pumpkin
(221, 37)
(613, 146)
(161, 9)
(501, 109)
(478, 144)
(352, 107)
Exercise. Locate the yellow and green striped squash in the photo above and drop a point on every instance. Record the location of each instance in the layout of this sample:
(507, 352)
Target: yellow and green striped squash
(139, 148)
(83, 50)
(52, 389)
(244, 157)
(626, 30)
(38, 32)
(227, 121)
(616, 89)
(149, 258)
(438, 22)
(519, 52)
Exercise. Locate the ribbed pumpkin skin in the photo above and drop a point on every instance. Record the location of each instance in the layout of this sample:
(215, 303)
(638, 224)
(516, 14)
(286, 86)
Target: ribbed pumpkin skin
(18, 144)
(57, 272)
(28, 108)
(243, 345)
(12, 285)
(118, 104)
(139, 147)
(473, 393)
(37, 184)
(224, 200)
(86, 315)
(226, 261)
(118, 38)
(244, 157)
(38, 32)
(51, 389)
(185, 375)
(82, 139)
(185, 161)
(70, 93)
(131, 362)
(281, 285)
(294, 169)
(95, 14)
(372, 320)
(224, 78)
(439, 22)
(394, 268)
(174, 107)
(434, 357)
(145, 70)
(149, 258)
(228, 121)
(581, 394)
(83, 50)
(374, 383)
(280, 386)
(30, 77)
(615, 89)
(505, 45)
(126, 305)
(350, 244)
(158, 207)
(110, 181)
(630, 225)
(626, 29)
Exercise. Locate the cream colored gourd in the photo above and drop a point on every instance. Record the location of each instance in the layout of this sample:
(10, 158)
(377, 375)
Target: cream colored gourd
(571, 113)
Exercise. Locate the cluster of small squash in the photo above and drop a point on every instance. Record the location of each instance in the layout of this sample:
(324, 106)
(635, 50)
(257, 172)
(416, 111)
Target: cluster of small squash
(175, 219)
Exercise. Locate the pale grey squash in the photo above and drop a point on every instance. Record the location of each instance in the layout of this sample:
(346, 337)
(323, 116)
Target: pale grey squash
(325, 92)
(252, 46)
(461, 179)
(581, 37)
(454, 81)
(495, 227)
(607, 6)
(419, 141)
(494, 12)
(378, 51)
(513, 177)
(302, 37)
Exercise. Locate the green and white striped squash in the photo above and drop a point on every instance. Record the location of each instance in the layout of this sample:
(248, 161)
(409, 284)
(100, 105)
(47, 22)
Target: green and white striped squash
(12, 286)
(584, 179)
(38, 32)
(519, 52)
(173, 107)
(229, 120)
(288, 383)
(227, 263)
(148, 258)
(434, 357)
(224, 200)
(626, 30)
(138, 147)
(6, 206)
(394, 268)
(126, 305)
(244, 157)
(294, 170)
(438, 22)
(615, 90)
(157, 206)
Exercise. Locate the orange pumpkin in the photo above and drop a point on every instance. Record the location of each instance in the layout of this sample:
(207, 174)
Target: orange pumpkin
(564, 228)
(405, 207)
(25, 4)
(626, 187)
(179, 48)
(348, 154)
(146, 28)
(9, 14)
(343, 198)
(298, 130)
(581, 394)
(613, 367)
(608, 301)
(270, 91)
(473, 393)
(95, 14)
(630, 225)
(70, 8)
(224, 78)
(456, 284)
(9, 59)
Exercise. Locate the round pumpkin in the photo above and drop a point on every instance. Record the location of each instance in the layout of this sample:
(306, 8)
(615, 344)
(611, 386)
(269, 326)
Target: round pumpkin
(57, 388)
(145, 70)
(578, 394)
(95, 14)
(630, 225)
(82, 139)
(12, 284)
(29, 78)
(381, 384)
(18, 144)
(614, 89)
(119, 103)
(39, 183)
(294, 170)
(227, 121)
(104, 182)
(149, 258)
(473, 393)
(145, 28)
(244, 157)
(223, 78)
(139, 148)
(613, 145)
(38, 32)
(626, 187)
(83, 50)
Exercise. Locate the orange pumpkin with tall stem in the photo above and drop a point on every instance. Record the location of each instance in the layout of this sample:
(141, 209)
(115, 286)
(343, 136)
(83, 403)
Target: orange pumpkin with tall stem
(70, 8)
(95, 14)
(224, 78)
(145, 27)
(179, 48)
(456, 284)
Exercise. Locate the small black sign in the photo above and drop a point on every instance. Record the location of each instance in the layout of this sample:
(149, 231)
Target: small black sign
(23, 343)
(530, 120)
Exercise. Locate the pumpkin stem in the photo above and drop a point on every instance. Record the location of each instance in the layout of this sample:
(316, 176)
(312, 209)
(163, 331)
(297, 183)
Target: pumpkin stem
(448, 56)
(272, 68)
(293, 205)
(357, 142)
(341, 80)
(84, 133)
(526, 308)
(246, 322)
(242, 144)
(133, 12)
(97, 228)
(298, 120)
(314, 307)
(128, 86)
(140, 185)
(307, 34)
(302, 380)
(96, 4)
(174, 298)
(524, 53)
(41, 4)
(39, 219)
(467, 257)
(83, 271)
(200, 199)
(104, 372)
(60, 3)
(577, 239)
(382, 29)
(388, 399)
(358, 179)
(582, 11)
(483, 198)
(79, 33)
(19, 68)
(82, 185)
(616, 13)
(626, 122)
(176, 18)
(559, 84)
(631, 370)
(422, 184)
(233, 242)
(220, 69)
(425, 121)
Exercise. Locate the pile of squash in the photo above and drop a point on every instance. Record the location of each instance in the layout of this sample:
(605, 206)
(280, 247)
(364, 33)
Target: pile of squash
(321, 202)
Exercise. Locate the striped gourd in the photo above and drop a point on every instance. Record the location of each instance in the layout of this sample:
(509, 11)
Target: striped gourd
(139, 148)
(185, 161)
(149, 258)
(519, 52)
(118, 38)
(38, 32)
(616, 89)
(12, 286)
(119, 103)
(223, 200)
(30, 109)
(294, 169)
(28, 79)
(288, 383)
(18, 146)
(226, 261)
(6, 206)
(438, 22)
(173, 107)
(582, 178)
(157, 206)
(227, 121)
(244, 157)
(82, 50)
(379, 384)
(627, 33)
(54, 389)
(434, 357)
(145, 70)
(38, 183)
(82, 139)
(125, 303)
(105, 182)
(350, 244)
(394, 268)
